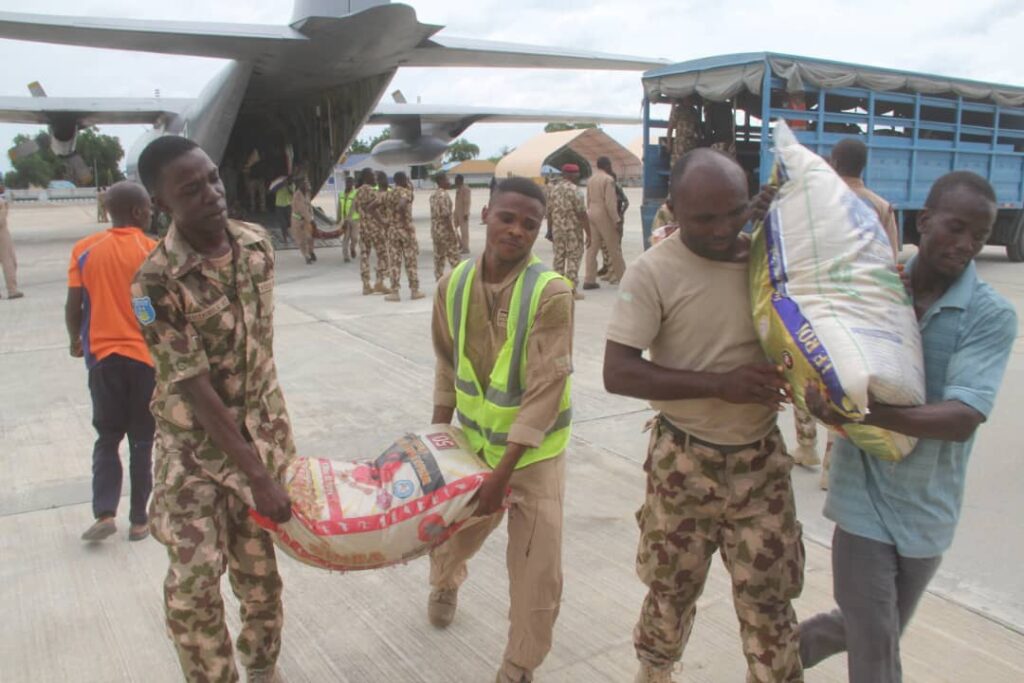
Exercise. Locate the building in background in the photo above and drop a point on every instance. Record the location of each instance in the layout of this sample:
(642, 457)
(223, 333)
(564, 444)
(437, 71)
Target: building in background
(476, 172)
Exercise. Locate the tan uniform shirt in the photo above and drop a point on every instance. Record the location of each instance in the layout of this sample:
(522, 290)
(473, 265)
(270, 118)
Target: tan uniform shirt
(548, 350)
(693, 314)
(302, 211)
(881, 207)
(602, 202)
(463, 196)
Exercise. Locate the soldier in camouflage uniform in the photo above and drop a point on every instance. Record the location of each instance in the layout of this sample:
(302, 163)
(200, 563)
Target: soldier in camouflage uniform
(204, 299)
(570, 228)
(717, 468)
(367, 205)
(447, 246)
(404, 247)
(684, 128)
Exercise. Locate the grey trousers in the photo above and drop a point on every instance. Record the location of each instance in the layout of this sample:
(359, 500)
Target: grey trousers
(877, 591)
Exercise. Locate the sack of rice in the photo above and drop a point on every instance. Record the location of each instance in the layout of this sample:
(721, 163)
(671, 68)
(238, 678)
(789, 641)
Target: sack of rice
(827, 298)
(349, 515)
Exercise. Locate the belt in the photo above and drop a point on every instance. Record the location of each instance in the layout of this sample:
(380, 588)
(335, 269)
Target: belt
(724, 449)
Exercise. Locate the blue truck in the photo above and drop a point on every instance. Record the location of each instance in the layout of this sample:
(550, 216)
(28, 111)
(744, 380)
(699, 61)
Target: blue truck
(916, 126)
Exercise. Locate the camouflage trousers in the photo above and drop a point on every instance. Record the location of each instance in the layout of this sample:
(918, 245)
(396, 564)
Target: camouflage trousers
(701, 500)
(568, 245)
(207, 530)
(404, 249)
(447, 247)
(373, 238)
(806, 427)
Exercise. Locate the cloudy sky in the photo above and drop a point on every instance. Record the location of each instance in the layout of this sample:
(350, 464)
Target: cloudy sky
(978, 39)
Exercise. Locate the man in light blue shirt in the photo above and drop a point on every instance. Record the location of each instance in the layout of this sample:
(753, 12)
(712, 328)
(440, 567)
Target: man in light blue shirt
(895, 519)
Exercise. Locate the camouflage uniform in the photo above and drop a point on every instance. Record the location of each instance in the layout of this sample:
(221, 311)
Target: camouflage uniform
(702, 499)
(564, 206)
(404, 247)
(806, 428)
(371, 236)
(684, 127)
(447, 245)
(199, 317)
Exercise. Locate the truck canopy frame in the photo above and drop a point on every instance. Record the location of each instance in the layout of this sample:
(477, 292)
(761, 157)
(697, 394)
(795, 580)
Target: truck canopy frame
(917, 127)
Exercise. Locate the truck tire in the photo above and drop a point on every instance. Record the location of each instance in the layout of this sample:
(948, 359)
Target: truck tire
(1015, 251)
(1015, 246)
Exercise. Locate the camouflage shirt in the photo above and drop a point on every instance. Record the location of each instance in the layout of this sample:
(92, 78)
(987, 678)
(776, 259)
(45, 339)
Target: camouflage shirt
(201, 317)
(366, 195)
(564, 206)
(400, 204)
(386, 209)
(440, 209)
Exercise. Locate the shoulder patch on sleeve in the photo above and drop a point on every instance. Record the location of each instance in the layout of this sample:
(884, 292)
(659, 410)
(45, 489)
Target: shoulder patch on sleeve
(142, 306)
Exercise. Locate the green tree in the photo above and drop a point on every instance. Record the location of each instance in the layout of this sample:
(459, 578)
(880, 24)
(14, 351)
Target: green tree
(35, 169)
(102, 154)
(361, 146)
(462, 150)
(31, 171)
(558, 127)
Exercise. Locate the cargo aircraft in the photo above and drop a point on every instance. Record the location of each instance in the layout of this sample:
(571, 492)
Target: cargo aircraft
(294, 94)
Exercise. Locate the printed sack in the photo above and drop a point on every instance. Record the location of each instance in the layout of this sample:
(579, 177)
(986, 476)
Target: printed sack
(827, 299)
(373, 513)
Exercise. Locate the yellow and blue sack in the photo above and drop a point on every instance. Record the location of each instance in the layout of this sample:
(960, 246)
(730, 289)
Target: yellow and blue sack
(828, 303)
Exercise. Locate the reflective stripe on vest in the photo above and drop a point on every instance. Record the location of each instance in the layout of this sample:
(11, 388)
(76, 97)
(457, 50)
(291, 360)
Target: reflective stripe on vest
(513, 395)
(563, 420)
(486, 419)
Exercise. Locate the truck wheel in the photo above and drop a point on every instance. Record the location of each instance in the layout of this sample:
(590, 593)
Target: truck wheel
(1015, 249)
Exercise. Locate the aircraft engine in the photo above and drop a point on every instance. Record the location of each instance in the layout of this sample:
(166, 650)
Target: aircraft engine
(62, 137)
(422, 150)
(132, 158)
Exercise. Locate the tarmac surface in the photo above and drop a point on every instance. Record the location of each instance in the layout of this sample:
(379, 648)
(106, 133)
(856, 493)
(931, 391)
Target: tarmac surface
(356, 371)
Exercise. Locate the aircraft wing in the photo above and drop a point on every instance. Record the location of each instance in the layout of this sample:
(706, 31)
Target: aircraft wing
(454, 120)
(440, 50)
(200, 39)
(88, 111)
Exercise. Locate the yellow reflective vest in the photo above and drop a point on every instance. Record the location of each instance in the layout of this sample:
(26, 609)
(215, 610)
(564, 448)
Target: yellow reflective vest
(487, 415)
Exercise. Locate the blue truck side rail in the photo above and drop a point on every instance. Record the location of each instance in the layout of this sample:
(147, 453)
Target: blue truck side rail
(912, 140)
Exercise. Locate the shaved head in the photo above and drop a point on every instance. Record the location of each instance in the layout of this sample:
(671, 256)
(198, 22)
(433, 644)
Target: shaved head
(849, 157)
(707, 160)
(128, 204)
(710, 203)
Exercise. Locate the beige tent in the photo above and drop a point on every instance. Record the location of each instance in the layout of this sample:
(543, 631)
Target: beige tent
(581, 147)
(636, 146)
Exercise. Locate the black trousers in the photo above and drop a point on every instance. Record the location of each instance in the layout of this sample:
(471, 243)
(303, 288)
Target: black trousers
(121, 389)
